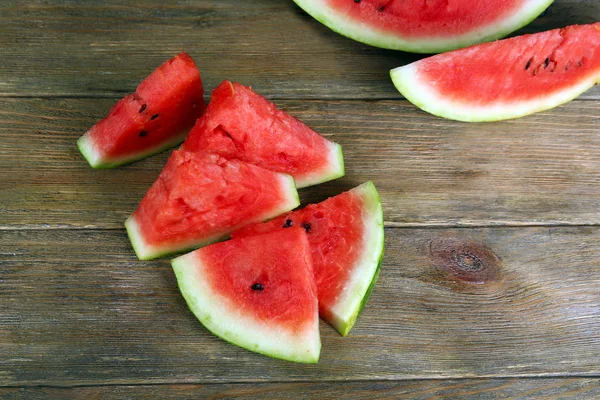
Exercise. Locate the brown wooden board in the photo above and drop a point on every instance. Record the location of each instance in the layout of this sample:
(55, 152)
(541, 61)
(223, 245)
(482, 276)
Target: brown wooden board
(542, 169)
(77, 308)
(98, 48)
(483, 389)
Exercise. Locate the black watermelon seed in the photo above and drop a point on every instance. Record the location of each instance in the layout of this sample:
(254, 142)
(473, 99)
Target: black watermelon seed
(306, 226)
(143, 108)
(143, 134)
(528, 64)
(257, 286)
(288, 223)
(546, 62)
(357, 1)
(154, 117)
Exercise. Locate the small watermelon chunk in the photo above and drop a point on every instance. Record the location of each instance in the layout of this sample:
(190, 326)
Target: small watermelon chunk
(200, 198)
(345, 233)
(505, 79)
(240, 124)
(418, 26)
(256, 292)
(156, 117)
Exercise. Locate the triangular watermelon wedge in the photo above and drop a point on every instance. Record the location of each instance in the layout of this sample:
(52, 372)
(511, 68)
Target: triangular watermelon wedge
(240, 124)
(346, 238)
(506, 79)
(156, 117)
(256, 292)
(200, 198)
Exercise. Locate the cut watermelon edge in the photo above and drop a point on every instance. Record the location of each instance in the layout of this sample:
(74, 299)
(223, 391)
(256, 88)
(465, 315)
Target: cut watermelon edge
(224, 320)
(144, 251)
(335, 168)
(347, 310)
(93, 157)
(408, 82)
(378, 38)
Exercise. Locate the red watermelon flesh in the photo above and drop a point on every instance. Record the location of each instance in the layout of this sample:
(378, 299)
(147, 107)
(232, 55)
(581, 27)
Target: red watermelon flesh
(157, 116)
(200, 198)
(256, 292)
(345, 233)
(507, 78)
(426, 18)
(430, 26)
(240, 124)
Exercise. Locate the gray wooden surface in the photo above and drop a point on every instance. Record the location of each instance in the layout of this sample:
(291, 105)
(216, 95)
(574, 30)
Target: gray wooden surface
(80, 317)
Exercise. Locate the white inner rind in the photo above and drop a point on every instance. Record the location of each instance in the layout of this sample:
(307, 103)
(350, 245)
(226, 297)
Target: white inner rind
(94, 157)
(220, 316)
(145, 251)
(334, 168)
(346, 309)
(422, 94)
(364, 33)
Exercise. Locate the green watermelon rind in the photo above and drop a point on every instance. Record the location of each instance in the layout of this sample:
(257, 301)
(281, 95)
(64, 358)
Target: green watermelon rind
(86, 147)
(407, 81)
(347, 310)
(147, 252)
(238, 329)
(335, 168)
(368, 35)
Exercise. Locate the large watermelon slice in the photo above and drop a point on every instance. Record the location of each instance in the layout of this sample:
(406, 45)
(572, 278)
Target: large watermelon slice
(345, 233)
(154, 118)
(430, 26)
(240, 124)
(200, 198)
(256, 292)
(505, 79)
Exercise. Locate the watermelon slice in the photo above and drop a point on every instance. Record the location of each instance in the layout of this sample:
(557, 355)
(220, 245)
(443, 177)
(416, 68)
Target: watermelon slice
(256, 292)
(240, 124)
(154, 118)
(345, 233)
(505, 79)
(431, 26)
(200, 198)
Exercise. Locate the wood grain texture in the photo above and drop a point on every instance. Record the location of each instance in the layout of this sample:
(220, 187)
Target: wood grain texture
(542, 169)
(77, 308)
(98, 48)
(483, 389)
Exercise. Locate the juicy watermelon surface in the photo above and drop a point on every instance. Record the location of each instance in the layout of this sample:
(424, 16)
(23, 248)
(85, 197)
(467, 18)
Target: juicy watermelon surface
(240, 124)
(345, 233)
(157, 116)
(257, 292)
(507, 78)
(424, 26)
(200, 198)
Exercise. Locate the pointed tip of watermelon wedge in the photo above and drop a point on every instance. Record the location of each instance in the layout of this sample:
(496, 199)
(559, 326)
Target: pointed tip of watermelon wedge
(334, 169)
(344, 315)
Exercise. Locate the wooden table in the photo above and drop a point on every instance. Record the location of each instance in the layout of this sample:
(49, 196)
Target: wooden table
(512, 204)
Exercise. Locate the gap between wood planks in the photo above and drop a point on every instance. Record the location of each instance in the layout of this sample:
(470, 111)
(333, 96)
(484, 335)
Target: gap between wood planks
(481, 378)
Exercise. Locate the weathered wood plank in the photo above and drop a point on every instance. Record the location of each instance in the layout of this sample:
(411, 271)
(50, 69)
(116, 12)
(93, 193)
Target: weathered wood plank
(76, 308)
(523, 389)
(543, 169)
(97, 48)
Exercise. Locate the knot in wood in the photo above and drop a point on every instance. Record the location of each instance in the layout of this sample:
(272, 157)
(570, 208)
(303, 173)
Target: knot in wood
(465, 260)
